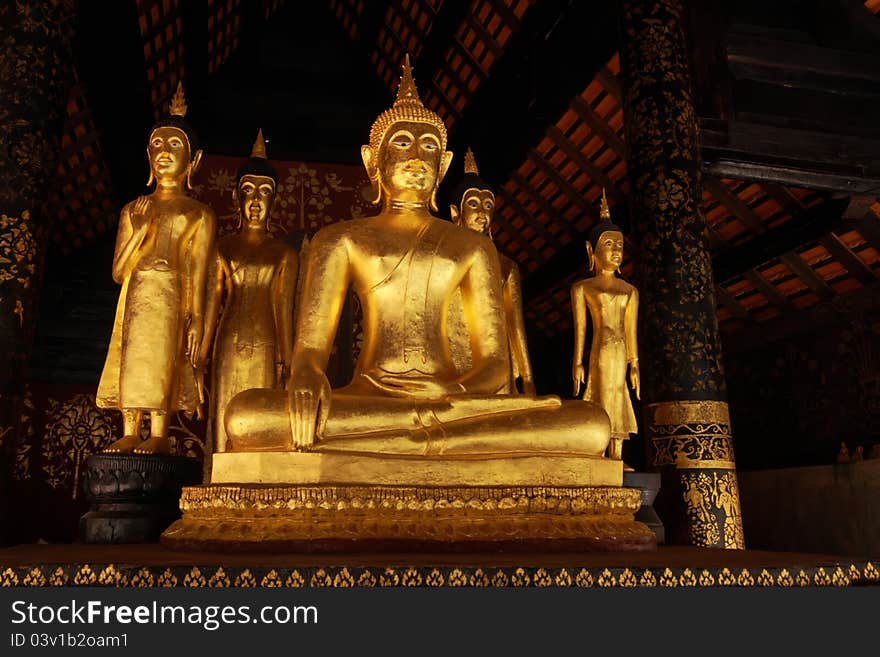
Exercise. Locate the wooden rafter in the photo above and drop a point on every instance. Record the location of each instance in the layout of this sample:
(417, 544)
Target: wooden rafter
(599, 126)
(807, 274)
(607, 79)
(831, 242)
(563, 185)
(487, 38)
(843, 254)
(506, 14)
(542, 202)
(754, 222)
(516, 235)
(861, 216)
(594, 172)
(734, 204)
(727, 300)
(763, 286)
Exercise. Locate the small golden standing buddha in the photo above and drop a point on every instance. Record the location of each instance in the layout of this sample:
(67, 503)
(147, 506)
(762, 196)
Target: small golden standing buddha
(254, 276)
(473, 207)
(613, 306)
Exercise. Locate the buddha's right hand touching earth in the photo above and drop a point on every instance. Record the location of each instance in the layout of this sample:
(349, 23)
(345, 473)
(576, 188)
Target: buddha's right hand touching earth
(309, 403)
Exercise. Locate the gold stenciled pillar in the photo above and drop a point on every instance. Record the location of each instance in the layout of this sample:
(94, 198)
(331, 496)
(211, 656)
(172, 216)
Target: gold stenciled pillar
(34, 83)
(687, 424)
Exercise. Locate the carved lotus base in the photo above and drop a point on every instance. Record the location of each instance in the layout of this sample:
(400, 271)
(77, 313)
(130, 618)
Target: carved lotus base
(134, 497)
(339, 518)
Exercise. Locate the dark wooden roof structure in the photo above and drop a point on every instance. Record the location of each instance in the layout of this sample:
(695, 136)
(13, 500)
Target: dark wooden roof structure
(786, 93)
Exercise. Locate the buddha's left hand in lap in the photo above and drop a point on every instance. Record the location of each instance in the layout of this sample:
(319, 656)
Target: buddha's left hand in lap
(418, 387)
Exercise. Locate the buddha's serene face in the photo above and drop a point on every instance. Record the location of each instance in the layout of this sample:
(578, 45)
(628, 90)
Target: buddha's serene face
(168, 152)
(410, 159)
(477, 209)
(255, 196)
(609, 250)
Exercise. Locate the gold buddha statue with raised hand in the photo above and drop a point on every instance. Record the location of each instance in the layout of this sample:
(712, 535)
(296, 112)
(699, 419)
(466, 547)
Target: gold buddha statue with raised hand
(163, 246)
(473, 207)
(405, 264)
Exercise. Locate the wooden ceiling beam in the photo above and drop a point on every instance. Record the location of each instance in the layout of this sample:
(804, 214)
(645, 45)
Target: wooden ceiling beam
(807, 274)
(810, 225)
(596, 174)
(528, 88)
(862, 218)
(544, 204)
(612, 85)
(762, 285)
(488, 39)
(831, 242)
(727, 300)
(845, 256)
(564, 186)
(599, 127)
(441, 34)
(370, 22)
(527, 218)
(734, 204)
(515, 234)
(751, 219)
(801, 158)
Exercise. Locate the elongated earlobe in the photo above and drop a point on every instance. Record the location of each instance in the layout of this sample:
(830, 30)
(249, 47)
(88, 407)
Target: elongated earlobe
(454, 215)
(372, 173)
(591, 259)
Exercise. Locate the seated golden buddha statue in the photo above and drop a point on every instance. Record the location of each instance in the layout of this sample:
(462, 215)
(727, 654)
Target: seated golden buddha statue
(163, 246)
(405, 265)
(413, 454)
(254, 276)
(473, 207)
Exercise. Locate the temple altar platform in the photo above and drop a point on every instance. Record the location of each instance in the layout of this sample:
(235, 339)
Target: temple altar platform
(152, 565)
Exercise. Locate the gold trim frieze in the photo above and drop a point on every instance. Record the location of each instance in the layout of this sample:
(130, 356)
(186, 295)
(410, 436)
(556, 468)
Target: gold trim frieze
(204, 576)
(264, 501)
(694, 451)
(689, 412)
(691, 434)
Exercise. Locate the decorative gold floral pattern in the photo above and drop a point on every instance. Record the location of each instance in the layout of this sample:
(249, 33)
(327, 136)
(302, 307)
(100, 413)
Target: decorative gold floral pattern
(694, 437)
(681, 352)
(18, 249)
(309, 196)
(34, 67)
(681, 349)
(712, 506)
(24, 445)
(77, 428)
(690, 431)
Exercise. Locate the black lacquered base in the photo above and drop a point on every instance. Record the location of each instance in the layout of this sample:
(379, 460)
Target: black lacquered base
(134, 497)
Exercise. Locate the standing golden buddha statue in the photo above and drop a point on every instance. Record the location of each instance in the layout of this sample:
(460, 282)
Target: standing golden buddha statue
(254, 275)
(474, 208)
(613, 309)
(163, 246)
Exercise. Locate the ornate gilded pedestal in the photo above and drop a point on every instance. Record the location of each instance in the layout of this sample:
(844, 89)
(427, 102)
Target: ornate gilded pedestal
(400, 504)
